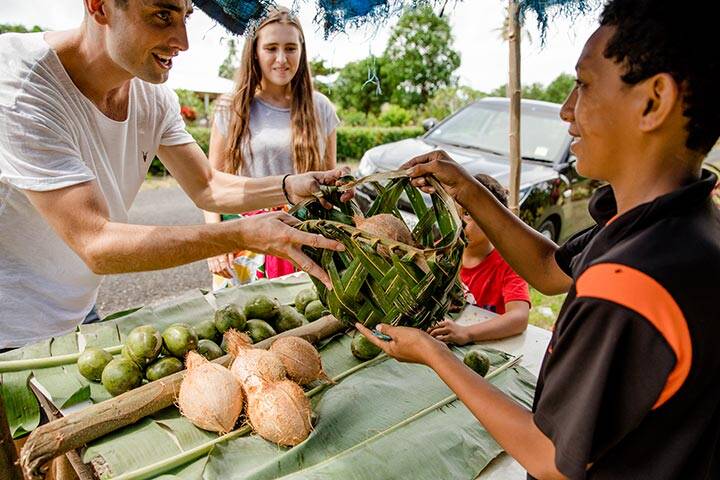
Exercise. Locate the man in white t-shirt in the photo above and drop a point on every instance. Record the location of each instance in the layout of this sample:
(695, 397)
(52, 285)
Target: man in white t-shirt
(82, 116)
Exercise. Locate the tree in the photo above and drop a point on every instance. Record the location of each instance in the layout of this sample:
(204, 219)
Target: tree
(560, 88)
(230, 64)
(556, 92)
(317, 69)
(448, 100)
(357, 86)
(420, 57)
(5, 28)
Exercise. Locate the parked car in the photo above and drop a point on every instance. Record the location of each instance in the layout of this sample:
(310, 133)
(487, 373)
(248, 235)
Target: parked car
(553, 196)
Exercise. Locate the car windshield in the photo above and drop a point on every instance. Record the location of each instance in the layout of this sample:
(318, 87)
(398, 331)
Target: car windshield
(486, 126)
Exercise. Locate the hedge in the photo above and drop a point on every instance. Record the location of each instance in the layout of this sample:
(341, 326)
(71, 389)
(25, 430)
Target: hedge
(352, 142)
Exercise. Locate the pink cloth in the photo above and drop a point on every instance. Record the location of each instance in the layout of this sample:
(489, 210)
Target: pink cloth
(274, 266)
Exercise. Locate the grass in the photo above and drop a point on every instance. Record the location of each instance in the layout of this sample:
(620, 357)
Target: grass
(545, 309)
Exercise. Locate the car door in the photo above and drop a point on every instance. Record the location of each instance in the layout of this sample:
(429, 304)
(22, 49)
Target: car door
(576, 198)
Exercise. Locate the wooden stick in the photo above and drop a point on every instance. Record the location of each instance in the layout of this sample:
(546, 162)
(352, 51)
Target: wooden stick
(514, 92)
(75, 430)
(8, 455)
(81, 470)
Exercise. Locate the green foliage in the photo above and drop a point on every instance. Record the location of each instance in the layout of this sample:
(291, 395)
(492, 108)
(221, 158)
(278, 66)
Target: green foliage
(318, 67)
(16, 28)
(231, 62)
(394, 116)
(352, 118)
(556, 92)
(560, 88)
(353, 142)
(188, 98)
(352, 90)
(420, 57)
(448, 100)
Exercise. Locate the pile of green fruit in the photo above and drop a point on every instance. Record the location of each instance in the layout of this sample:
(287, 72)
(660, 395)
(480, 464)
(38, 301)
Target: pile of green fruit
(149, 355)
(263, 317)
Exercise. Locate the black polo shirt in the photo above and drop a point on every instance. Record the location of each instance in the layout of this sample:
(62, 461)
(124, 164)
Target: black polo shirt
(630, 385)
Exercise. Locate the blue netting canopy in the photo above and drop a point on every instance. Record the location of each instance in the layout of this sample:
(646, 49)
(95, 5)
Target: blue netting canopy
(337, 15)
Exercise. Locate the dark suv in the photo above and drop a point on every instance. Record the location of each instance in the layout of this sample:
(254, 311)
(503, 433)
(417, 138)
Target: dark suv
(553, 197)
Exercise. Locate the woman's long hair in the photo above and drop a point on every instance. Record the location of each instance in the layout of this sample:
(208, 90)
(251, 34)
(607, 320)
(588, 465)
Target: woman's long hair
(305, 143)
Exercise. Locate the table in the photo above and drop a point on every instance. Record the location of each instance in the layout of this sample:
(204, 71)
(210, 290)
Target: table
(532, 344)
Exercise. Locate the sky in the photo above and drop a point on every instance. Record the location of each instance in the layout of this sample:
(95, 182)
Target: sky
(474, 23)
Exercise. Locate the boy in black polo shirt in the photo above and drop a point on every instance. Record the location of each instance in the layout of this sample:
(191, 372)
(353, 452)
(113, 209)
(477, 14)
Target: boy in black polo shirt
(628, 387)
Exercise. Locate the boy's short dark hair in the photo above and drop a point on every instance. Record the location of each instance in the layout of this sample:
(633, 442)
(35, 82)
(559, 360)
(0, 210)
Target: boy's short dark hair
(664, 36)
(494, 186)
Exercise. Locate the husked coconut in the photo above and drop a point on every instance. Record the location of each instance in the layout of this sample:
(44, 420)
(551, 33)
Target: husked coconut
(302, 362)
(210, 396)
(385, 225)
(252, 365)
(280, 412)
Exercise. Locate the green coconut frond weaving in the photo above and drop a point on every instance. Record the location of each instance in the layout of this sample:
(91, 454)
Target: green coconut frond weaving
(378, 279)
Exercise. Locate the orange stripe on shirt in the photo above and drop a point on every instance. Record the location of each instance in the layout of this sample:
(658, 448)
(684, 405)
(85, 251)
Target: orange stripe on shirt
(641, 293)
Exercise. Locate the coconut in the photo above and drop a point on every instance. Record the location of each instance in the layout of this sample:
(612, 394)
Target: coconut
(385, 225)
(304, 297)
(210, 396)
(143, 344)
(179, 339)
(121, 375)
(259, 330)
(228, 316)
(315, 310)
(478, 361)
(252, 366)
(163, 367)
(209, 349)
(362, 348)
(92, 361)
(301, 360)
(280, 412)
(288, 318)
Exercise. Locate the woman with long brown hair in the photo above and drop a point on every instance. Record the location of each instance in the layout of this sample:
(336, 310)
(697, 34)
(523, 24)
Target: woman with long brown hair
(272, 124)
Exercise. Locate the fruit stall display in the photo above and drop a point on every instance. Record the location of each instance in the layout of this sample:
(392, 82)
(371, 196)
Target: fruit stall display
(365, 409)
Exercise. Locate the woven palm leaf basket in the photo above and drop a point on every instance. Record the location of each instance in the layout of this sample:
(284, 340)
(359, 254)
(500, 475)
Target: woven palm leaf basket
(378, 279)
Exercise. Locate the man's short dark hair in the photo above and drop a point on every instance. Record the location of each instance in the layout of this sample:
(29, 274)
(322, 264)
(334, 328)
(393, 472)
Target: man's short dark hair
(494, 186)
(678, 38)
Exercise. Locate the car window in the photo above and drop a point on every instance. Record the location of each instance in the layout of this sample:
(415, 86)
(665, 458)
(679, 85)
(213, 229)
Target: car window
(487, 127)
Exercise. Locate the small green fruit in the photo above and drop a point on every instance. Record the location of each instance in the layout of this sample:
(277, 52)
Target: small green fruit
(228, 317)
(209, 349)
(478, 361)
(120, 376)
(92, 361)
(179, 340)
(163, 367)
(259, 330)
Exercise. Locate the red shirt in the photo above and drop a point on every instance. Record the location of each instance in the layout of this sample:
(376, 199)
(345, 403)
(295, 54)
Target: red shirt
(493, 283)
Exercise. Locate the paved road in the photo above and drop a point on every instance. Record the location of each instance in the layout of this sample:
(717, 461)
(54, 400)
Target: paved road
(159, 206)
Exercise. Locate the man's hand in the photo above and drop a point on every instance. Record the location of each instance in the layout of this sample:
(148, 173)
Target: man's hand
(455, 179)
(407, 345)
(303, 186)
(221, 264)
(450, 331)
(273, 234)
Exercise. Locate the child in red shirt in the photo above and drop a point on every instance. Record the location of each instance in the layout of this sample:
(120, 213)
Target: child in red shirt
(492, 285)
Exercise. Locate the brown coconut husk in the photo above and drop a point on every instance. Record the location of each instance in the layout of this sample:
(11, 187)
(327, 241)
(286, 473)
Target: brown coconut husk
(252, 366)
(280, 413)
(210, 396)
(301, 360)
(385, 225)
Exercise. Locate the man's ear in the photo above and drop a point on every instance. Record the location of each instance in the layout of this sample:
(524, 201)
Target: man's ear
(662, 95)
(97, 10)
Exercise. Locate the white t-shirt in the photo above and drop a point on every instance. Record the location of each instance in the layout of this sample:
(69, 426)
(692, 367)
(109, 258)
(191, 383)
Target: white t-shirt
(52, 137)
(271, 134)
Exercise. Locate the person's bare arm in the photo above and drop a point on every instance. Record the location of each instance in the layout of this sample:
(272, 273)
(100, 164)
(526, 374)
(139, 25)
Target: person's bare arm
(527, 251)
(513, 322)
(510, 424)
(331, 150)
(221, 192)
(80, 216)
